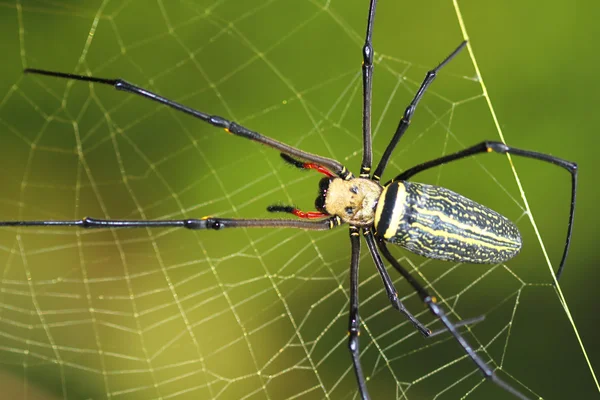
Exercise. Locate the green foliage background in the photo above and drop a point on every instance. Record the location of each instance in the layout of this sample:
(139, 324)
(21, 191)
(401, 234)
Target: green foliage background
(538, 60)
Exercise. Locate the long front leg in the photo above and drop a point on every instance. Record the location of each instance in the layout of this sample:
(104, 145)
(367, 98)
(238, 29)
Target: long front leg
(367, 73)
(194, 224)
(214, 120)
(410, 110)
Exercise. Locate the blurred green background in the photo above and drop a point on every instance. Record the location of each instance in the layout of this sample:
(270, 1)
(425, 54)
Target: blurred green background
(147, 314)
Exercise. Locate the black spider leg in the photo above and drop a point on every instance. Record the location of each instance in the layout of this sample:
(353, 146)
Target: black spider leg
(194, 224)
(436, 310)
(487, 371)
(421, 291)
(214, 120)
(392, 293)
(498, 147)
(408, 113)
(354, 322)
(390, 290)
(367, 73)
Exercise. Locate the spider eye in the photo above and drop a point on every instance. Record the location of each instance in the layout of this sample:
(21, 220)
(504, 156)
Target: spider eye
(349, 210)
(324, 185)
(320, 203)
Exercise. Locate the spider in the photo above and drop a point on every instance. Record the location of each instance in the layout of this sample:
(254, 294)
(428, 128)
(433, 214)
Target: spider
(428, 220)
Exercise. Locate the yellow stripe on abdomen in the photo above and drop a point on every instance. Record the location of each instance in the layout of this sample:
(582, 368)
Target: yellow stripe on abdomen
(438, 223)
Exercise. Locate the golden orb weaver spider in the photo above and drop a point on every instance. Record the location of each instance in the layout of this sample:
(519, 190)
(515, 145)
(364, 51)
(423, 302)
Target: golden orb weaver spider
(418, 217)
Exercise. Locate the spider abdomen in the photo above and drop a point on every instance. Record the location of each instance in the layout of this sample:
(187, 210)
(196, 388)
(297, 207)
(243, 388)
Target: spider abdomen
(438, 223)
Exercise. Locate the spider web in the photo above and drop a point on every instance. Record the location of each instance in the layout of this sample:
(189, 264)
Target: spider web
(138, 314)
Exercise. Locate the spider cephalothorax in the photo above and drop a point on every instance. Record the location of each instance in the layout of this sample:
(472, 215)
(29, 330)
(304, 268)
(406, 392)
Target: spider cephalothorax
(353, 200)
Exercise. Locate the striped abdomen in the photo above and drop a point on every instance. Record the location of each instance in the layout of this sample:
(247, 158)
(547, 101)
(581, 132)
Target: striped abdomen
(438, 223)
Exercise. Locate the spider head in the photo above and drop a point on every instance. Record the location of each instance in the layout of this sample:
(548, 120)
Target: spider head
(354, 200)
